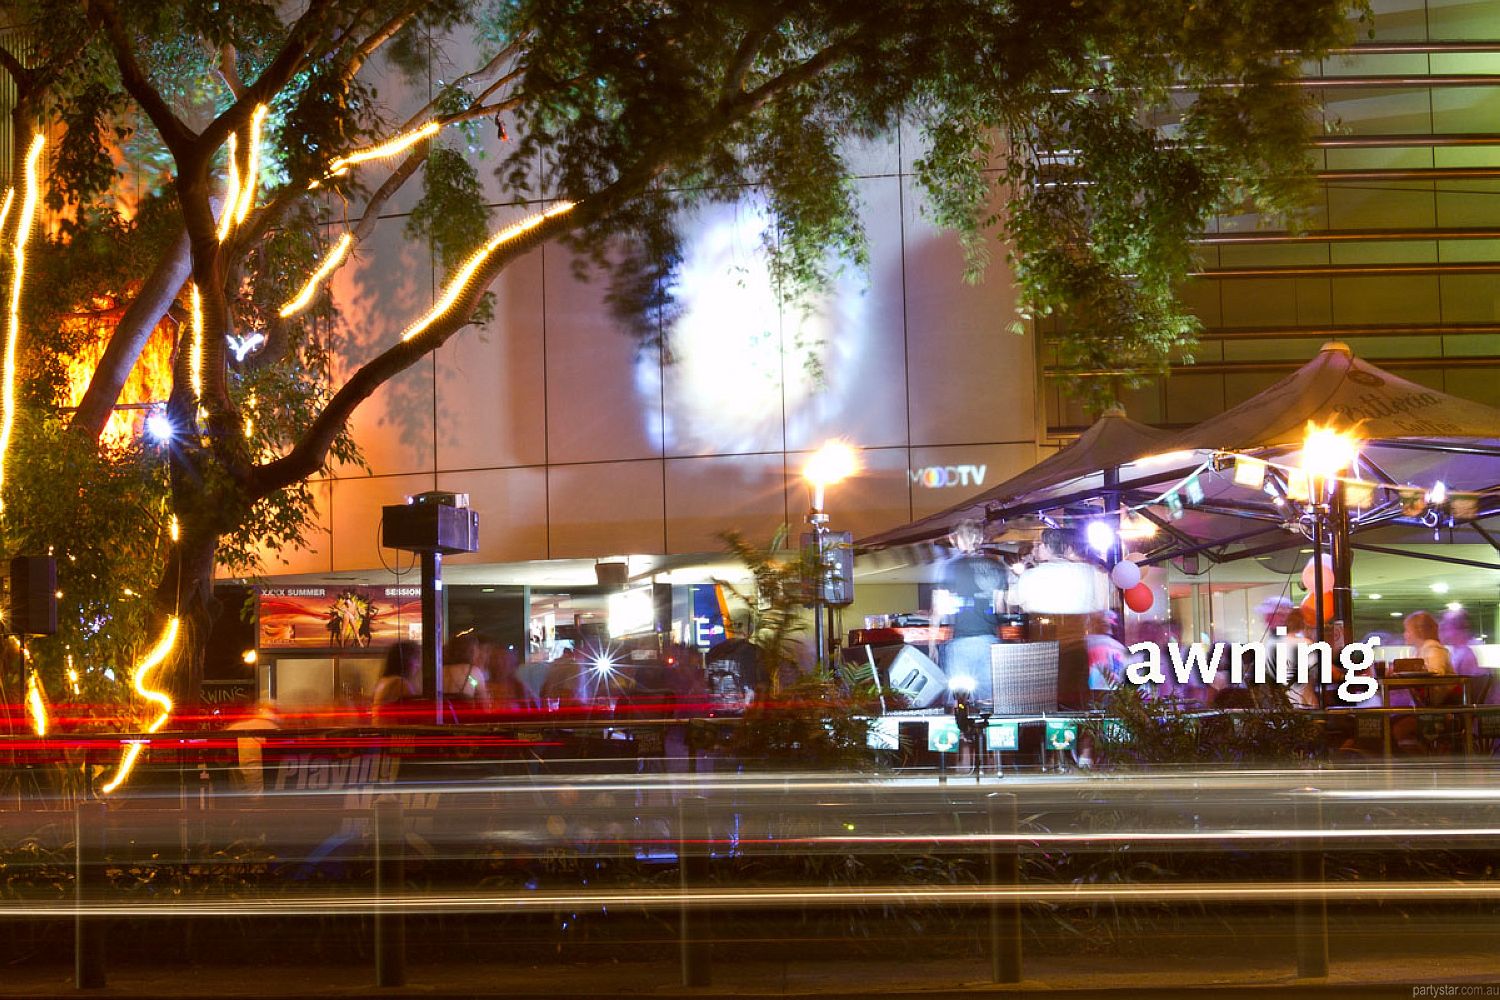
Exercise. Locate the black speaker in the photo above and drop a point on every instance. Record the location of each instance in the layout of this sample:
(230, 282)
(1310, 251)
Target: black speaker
(429, 527)
(33, 596)
(611, 574)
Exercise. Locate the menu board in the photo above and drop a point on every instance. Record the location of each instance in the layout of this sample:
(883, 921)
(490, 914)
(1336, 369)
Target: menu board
(338, 617)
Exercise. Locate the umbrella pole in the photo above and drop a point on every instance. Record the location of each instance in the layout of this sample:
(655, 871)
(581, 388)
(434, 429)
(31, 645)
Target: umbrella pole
(1317, 541)
(1343, 561)
(1116, 552)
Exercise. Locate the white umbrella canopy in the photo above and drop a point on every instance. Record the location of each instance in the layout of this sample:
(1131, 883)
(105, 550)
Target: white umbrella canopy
(1337, 388)
(1114, 441)
(1412, 437)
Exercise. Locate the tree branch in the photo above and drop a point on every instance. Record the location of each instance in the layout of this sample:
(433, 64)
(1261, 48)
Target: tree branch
(365, 49)
(17, 70)
(308, 455)
(744, 55)
(174, 131)
(130, 336)
(228, 71)
(290, 61)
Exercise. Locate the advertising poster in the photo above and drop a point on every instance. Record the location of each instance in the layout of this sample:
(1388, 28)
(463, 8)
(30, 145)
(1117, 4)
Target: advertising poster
(338, 617)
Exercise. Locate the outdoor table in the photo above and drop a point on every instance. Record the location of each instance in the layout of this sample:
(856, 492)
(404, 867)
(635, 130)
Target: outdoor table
(1421, 680)
(1415, 681)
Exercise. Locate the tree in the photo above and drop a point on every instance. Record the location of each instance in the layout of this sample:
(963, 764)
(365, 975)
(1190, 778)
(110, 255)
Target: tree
(1043, 124)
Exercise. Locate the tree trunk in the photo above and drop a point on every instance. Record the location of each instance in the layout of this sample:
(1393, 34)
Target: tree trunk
(187, 591)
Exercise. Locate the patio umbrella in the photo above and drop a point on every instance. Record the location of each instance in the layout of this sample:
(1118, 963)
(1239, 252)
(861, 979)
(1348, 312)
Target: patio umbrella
(1108, 446)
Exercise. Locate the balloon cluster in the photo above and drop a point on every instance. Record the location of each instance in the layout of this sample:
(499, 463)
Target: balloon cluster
(1309, 582)
(1126, 575)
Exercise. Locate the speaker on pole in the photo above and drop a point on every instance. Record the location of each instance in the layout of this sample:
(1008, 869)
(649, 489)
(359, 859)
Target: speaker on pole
(33, 596)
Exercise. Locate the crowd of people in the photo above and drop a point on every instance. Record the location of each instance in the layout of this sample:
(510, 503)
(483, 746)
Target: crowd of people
(483, 680)
(1095, 651)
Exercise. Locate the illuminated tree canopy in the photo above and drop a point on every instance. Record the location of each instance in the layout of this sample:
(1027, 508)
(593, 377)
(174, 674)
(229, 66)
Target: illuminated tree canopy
(1098, 136)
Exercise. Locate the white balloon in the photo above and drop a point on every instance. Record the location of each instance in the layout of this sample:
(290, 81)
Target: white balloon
(1125, 575)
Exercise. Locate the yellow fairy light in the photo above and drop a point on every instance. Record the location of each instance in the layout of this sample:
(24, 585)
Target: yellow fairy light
(36, 705)
(153, 659)
(174, 529)
(195, 362)
(252, 166)
(466, 273)
(231, 192)
(390, 147)
(334, 259)
(250, 403)
(17, 282)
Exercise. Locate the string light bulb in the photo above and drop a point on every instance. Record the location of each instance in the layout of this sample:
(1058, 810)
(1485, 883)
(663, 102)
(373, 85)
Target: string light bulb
(246, 200)
(465, 274)
(155, 658)
(17, 283)
(231, 191)
(335, 257)
(390, 147)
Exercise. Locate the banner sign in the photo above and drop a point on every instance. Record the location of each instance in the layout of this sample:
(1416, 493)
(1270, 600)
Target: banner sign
(348, 617)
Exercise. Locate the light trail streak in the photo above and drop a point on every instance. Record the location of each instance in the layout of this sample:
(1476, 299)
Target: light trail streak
(335, 257)
(301, 904)
(153, 659)
(466, 273)
(17, 283)
(10, 197)
(246, 199)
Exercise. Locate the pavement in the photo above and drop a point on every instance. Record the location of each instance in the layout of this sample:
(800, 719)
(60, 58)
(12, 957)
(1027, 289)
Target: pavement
(1470, 968)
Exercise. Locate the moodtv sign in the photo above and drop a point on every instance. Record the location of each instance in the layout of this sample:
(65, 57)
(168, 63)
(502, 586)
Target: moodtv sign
(936, 477)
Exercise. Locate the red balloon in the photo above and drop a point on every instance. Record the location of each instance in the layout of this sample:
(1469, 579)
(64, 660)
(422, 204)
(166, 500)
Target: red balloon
(1139, 598)
(1310, 610)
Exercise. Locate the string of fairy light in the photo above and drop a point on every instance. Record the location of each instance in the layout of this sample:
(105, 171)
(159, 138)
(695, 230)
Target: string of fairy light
(36, 703)
(239, 200)
(1326, 452)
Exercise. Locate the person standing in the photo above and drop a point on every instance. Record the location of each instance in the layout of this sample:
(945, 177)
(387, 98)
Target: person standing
(400, 681)
(1457, 634)
(967, 600)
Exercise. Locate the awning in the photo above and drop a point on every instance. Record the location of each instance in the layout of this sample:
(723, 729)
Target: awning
(1113, 441)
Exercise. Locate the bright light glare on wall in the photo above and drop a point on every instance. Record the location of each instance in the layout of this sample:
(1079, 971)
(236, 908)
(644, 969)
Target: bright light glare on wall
(832, 463)
(630, 611)
(740, 365)
(1439, 588)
